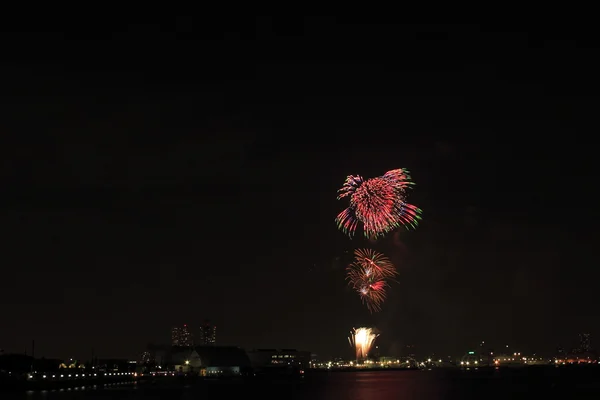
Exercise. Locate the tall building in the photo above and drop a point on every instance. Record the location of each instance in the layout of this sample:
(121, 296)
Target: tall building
(208, 334)
(585, 342)
(146, 357)
(181, 336)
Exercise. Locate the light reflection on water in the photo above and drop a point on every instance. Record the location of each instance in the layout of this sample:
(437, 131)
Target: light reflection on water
(382, 385)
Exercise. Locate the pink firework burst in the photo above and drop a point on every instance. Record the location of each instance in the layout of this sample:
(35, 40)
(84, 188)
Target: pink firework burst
(379, 204)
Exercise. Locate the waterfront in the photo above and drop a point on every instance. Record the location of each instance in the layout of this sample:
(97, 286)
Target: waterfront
(549, 382)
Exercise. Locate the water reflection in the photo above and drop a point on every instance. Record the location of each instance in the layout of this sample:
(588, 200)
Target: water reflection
(384, 386)
(365, 385)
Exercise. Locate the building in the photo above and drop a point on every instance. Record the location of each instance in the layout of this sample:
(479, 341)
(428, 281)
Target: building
(211, 361)
(410, 351)
(585, 344)
(208, 334)
(223, 361)
(146, 358)
(159, 354)
(114, 365)
(181, 336)
(267, 359)
(184, 360)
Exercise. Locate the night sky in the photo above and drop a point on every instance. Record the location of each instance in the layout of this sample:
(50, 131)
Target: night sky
(161, 174)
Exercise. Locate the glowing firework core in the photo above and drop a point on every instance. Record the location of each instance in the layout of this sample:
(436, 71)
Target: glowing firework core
(362, 340)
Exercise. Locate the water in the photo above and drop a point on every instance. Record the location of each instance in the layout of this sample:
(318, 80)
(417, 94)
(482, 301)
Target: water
(527, 383)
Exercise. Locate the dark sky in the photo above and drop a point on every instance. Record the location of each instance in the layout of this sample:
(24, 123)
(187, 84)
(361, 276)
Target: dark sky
(160, 174)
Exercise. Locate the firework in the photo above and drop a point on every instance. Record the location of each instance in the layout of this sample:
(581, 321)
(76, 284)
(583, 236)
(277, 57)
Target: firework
(370, 286)
(368, 275)
(382, 265)
(378, 203)
(362, 340)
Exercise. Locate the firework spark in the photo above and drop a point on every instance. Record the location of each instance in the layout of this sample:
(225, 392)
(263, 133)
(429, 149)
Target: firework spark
(378, 203)
(368, 274)
(362, 340)
(382, 265)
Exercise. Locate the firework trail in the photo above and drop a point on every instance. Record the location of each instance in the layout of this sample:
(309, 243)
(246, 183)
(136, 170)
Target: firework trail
(362, 340)
(368, 274)
(378, 203)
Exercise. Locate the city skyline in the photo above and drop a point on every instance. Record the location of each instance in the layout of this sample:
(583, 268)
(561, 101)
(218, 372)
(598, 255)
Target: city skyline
(191, 168)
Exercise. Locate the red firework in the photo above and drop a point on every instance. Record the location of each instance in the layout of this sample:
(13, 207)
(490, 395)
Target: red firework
(368, 258)
(378, 203)
(368, 274)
